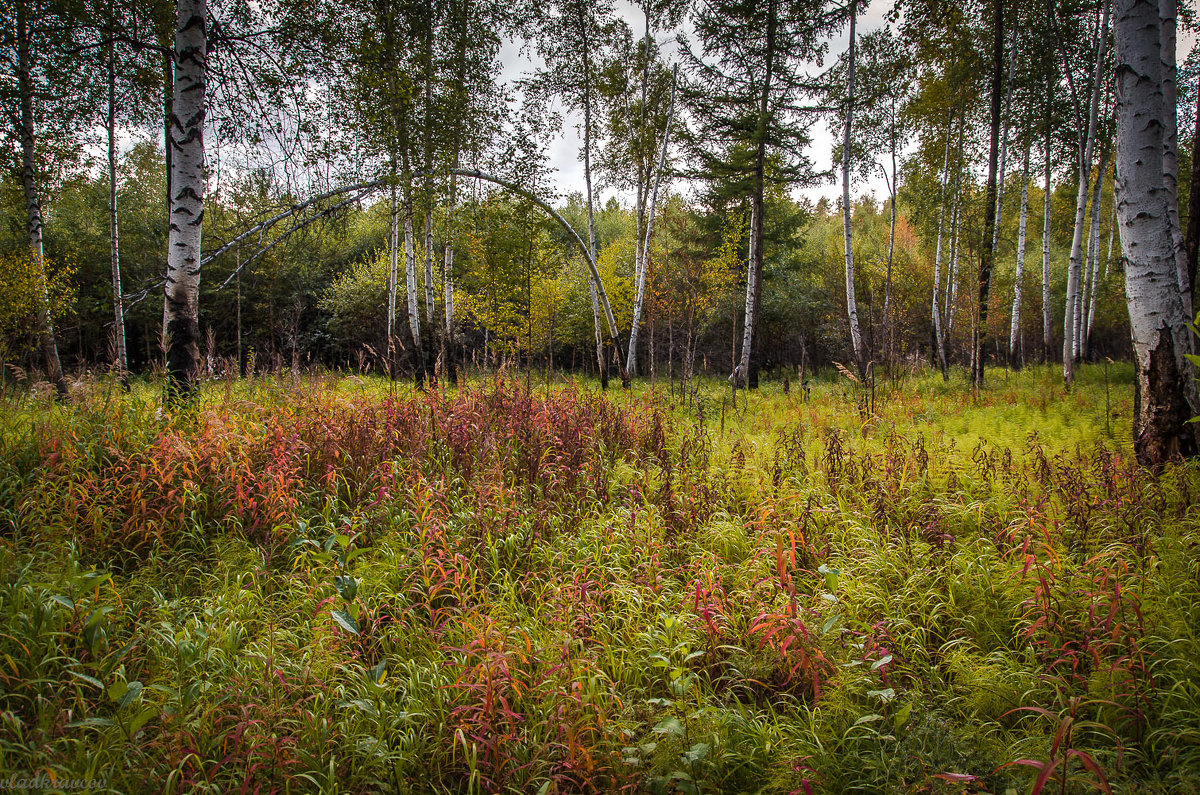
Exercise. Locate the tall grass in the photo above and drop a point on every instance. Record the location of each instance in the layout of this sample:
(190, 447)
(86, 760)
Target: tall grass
(336, 585)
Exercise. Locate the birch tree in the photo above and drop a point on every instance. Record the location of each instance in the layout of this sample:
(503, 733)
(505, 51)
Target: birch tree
(110, 129)
(1164, 378)
(572, 38)
(188, 107)
(1075, 268)
(25, 39)
(939, 339)
(851, 299)
(642, 251)
(1047, 338)
(1016, 345)
(639, 92)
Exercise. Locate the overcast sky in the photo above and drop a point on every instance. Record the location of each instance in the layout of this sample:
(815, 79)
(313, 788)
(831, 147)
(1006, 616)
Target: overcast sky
(564, 155)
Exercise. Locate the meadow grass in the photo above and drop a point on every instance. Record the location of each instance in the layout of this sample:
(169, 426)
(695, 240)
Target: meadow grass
(340, 585)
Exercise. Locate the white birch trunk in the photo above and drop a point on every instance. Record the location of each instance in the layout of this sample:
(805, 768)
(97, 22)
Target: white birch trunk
(1112, 230)
(1014, 334)
(851, 298)
(1088, 304)
(430, 301)
(448, 285)
(1166, 390)
(939, 341)
(741, 372)
(643, 254)
(893, 190)
(1075, 268)
(951, 307)
(393, 282)
(187, 195)
(1047, 338)
(122, 360)
(1167, 14)
(410, 277)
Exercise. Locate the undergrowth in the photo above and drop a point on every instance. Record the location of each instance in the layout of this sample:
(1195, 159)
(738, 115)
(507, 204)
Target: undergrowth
(336, 585)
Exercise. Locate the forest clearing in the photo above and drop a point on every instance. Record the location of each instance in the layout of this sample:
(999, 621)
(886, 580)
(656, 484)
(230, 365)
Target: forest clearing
(347, 585)
(557, 396)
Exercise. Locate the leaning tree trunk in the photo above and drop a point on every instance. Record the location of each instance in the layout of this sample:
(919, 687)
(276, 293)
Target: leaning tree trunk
(851, 298)
(187, 197)
(1165, 388)
(1074, 271)
(122, 360)
(987, 255)
(1016, 345)
(643, 255)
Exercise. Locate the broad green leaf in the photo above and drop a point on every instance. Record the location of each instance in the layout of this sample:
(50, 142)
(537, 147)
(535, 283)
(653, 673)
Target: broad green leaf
(669, 725)
(345, 621)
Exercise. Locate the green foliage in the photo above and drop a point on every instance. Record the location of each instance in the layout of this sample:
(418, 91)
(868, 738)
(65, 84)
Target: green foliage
(337, 585)
(25, 286)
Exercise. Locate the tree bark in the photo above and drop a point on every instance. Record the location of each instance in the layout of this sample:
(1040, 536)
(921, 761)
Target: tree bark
(393, 280)
(1192, 242)
(1047, 338)
(939, 340)
(1167, 13)
(739, 374)
(187, 197)
(122, 360)
(33, 206)
(987, 254)
(1088, 306)
(643, 255)
(851, 298)
(1015, 346)
(448, 340)
(1165, 387)
(1075, 268)
(950, 303)
(893, 190)
(410, 290)
(750, 358)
